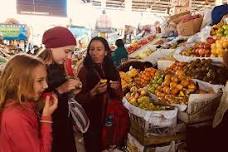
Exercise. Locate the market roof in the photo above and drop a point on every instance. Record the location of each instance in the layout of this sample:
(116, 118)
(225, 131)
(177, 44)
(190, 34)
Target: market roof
(156, 6)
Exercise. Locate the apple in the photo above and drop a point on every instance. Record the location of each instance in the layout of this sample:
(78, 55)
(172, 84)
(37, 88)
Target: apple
(210, 40)
(201, 52)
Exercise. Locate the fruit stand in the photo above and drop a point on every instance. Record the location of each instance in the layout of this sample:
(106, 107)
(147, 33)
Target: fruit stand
(189, 77)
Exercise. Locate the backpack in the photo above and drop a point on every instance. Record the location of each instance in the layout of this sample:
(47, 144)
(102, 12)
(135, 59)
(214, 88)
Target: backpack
(117, 124)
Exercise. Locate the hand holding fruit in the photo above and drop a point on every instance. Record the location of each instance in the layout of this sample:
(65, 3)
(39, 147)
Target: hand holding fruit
(51, 103)
(100, 87)
(69, 85)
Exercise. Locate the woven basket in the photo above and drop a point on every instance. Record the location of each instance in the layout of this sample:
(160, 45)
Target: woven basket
(135, 64)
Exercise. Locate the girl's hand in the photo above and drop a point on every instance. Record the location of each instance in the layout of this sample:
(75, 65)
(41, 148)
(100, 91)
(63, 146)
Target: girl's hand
(69, 85)
(51, 103)
(114, 84)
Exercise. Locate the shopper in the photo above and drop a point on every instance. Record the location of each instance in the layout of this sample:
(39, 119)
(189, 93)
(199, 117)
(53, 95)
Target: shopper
(59, 43)
(120, 53)
(97, 65)
(20, 129)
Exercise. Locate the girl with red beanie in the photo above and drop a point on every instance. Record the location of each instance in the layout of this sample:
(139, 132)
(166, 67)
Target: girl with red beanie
(59, 43)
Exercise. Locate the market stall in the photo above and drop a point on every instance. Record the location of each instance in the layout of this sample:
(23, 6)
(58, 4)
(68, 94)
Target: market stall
(184, 89)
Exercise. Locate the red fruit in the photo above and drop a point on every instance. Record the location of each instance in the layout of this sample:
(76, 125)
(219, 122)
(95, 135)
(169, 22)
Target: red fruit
(45, 94)
(201, 45)
(201, 52)
(210, 40)
(196, 51)
(68, 67)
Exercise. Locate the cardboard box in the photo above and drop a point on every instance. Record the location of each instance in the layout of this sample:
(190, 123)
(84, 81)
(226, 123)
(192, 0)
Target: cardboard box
(190, 27)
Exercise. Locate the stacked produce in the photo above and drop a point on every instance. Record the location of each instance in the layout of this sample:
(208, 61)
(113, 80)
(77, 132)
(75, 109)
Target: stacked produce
(139, 98)
(206, 71)
(138, 44)
(144, 77)
(176, 66)
(156, 82)
(214, 46)
(202, 70)
(219, 47)
(202, 49)
(127, 78)
(220, 30)
(176, 88)
(145, 53)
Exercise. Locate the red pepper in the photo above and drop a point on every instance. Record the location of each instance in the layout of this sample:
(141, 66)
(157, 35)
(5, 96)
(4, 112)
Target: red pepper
(68, 67)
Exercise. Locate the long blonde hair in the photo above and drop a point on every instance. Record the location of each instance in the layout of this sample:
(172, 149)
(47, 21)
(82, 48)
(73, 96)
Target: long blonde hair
(16, 81)
(45, 55)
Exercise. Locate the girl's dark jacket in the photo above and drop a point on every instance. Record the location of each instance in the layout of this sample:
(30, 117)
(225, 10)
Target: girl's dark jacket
(63, 135)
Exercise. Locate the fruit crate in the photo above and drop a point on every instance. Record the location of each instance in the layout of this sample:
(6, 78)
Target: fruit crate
(148, 135)
(133, 145)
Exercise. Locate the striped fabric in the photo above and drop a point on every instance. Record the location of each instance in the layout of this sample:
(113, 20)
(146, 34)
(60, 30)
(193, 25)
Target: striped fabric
(81, 120)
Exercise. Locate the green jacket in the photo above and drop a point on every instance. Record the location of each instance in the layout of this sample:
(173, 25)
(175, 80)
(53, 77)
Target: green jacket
(119, 54)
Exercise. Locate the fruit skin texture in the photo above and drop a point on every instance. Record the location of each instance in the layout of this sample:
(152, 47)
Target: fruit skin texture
(45, 94)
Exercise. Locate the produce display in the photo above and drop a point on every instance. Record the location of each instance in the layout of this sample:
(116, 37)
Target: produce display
(213, 47)
(127, 78)
(138, 44)
(219, 47)
(155, 82)
(175, 84)
(139, 98)
(144, 77)
(176, 88)
(202, 70)
(220, 30)
(206, 71)
(145, 53)
(199, 50)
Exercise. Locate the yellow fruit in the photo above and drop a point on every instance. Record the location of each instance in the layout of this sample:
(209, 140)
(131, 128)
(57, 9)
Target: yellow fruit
(143, 92)
(181, 94)
(184, 83)
(179, 87)
(103, 80)
(173, 85)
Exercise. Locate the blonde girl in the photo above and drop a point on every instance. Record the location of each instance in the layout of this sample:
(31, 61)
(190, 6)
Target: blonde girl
(22, 82)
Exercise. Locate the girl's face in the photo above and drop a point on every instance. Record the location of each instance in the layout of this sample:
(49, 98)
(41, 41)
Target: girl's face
(62, 53)
(40, 83)
(97, 51)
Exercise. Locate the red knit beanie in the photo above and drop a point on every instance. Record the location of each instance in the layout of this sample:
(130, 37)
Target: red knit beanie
(58, 37)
